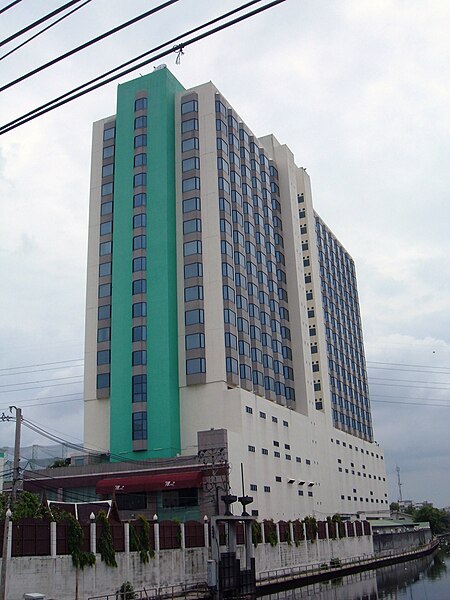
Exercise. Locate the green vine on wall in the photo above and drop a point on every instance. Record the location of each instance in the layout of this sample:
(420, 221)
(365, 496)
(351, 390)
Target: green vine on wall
(256, 533)
(80, 558)
(311, 527)
(105, 544)
(336, 518)
(141, 542)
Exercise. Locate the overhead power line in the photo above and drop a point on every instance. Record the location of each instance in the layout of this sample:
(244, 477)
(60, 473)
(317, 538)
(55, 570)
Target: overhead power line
(38, 22)
(411, 403)
(374, 362)
(59, 362)
(40, 387)
(67, 97)
(39, 381)
(45, 29)
(40, 370)
(405, 380)
(89, 43)
(5, 8)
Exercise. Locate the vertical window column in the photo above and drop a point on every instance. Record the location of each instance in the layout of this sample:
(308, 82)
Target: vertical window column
(139, 276)
(194, 320)
(105, 262)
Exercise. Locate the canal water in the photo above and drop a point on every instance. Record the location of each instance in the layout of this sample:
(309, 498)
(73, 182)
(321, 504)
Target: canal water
(422, 579)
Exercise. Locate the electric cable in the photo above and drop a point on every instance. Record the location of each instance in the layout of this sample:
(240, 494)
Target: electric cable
(39, 371)
(39, 404)
(54, 104)
(40, 381)
(100, 37)
(374, 362)
(411, 403)
(5, 8)
(125, 64)
(60, 362)
(38, 22)
(40, 387)
(45, 29)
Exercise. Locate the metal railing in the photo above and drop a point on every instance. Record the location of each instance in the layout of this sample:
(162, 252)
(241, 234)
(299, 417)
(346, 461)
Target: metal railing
(296, 571)
(179, 591)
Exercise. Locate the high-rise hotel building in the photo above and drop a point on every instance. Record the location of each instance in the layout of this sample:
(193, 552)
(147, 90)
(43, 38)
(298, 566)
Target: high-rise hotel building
(218, 298)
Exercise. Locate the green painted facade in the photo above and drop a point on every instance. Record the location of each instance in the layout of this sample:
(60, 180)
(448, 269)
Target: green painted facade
(163, 411)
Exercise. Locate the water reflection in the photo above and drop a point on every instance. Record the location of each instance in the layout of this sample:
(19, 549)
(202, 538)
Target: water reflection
(422, 579)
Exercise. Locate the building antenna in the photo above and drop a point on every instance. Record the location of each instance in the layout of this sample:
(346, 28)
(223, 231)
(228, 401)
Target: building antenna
(399, 483)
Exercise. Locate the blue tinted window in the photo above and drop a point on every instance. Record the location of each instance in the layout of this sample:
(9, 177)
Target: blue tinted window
(195, 365)
(139, 388)
(139, 333)
(108, 170)
(139, 220)
(140, 160)
(190, 144)
(105, 248)
(139, 286)
(104, 312)
(140, 104)
(191, 204)
(140, 140)
(139, 425)
(193, 183)
(193, 293)
(193, 270)
(139, 357)
(190, 125)
(191, 226)
(195, 340)
(140, 179)
(108, 151)
(104, 334)
(140, 122)
(139, 309)
(107, 188)
(104, 269)
(187, 107)
(103, 381)
(139, 242)
(106, 208)
(104, 290)
(139, 264)
(108, 134)
(139, 200)
(103, 357)
(194, 317)
(106, 228)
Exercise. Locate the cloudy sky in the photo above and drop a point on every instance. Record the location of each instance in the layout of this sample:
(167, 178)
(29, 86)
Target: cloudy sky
(358, 89)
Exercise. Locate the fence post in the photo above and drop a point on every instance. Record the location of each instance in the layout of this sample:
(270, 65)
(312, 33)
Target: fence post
(93, 533)
(206, 531)
(306, 541)
(263, 533)
(53, 539)
(291, 532)
(156, 532)
(126, 537)
(10, 534)
(182, 536)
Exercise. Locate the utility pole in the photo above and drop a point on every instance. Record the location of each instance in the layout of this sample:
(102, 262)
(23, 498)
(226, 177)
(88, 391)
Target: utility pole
(17, 480)
(15, 488)
(399, 483)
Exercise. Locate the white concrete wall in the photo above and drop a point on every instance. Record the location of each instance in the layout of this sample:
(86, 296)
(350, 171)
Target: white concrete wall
(96, 412)
(57, 578)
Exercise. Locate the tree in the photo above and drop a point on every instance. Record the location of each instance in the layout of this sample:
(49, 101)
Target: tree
(438, 519)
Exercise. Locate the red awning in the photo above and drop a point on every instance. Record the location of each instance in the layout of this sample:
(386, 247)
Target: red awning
(150, 483)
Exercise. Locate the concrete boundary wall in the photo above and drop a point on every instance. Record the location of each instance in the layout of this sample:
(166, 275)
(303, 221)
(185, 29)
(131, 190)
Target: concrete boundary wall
(57, 578)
